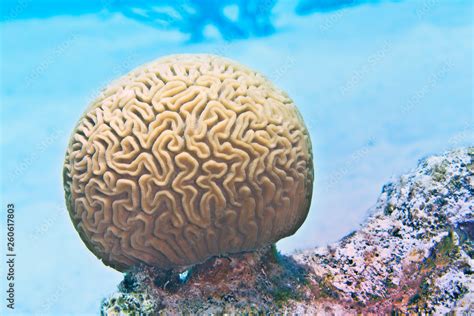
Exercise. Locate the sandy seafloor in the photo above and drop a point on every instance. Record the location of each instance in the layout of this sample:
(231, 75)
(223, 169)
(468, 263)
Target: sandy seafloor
(379, 86)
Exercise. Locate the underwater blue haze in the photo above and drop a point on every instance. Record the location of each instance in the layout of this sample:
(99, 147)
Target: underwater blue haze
(380, 85)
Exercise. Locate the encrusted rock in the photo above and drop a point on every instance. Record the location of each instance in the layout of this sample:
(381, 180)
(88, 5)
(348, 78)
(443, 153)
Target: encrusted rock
(414, 254)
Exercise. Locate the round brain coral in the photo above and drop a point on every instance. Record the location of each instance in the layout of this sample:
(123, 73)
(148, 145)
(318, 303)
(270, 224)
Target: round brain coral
(185, 158)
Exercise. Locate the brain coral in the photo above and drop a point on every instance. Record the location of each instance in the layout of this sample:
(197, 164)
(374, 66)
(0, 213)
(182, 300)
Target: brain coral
(185, 158)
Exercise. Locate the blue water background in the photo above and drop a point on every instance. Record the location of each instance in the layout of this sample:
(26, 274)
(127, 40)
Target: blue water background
(380, 85)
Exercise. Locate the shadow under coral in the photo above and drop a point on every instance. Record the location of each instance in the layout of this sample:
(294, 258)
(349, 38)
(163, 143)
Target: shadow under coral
(264, 279)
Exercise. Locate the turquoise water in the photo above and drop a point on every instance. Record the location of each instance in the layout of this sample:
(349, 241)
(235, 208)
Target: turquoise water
(380, 84)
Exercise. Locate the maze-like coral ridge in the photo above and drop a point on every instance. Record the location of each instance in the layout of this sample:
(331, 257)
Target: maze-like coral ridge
(185, 158)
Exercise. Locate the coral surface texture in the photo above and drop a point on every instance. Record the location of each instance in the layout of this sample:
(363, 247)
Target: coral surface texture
(185, 158)
(413, 255)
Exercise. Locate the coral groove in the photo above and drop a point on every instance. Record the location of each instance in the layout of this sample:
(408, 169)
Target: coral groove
(185, 158)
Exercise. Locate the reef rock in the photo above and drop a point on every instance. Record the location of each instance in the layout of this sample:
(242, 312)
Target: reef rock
(414, 254)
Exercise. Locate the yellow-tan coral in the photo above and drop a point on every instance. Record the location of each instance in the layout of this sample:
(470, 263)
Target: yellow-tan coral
(185, 158)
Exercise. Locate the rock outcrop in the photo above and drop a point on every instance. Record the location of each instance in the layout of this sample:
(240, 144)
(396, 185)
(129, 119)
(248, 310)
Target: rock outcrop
(413, 254)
